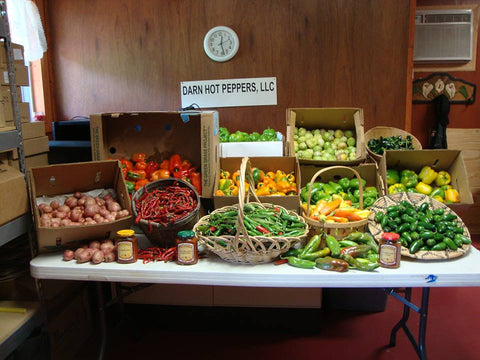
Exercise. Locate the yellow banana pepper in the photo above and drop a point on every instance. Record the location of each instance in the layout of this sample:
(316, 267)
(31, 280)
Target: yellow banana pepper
(427, 175)
(452, 195)
(423, 188)
(279, 175)
(236, 177)
(224, 174)
(443, 178)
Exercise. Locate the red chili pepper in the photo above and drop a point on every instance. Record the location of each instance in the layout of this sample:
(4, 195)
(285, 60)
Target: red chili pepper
(262, 229)
(281, 261)
(213, 228)
(276, 209)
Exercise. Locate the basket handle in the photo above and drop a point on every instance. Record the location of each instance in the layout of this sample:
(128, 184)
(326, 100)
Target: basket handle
(380, 180)
(243, 197)
(319, 172)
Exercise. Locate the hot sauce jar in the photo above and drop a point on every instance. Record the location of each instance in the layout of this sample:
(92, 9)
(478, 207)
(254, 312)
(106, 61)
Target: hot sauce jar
(389, 251)
(187, 248)
(127, 247)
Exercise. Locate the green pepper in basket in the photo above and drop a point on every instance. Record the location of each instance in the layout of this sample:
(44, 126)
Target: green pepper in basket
(336, 187)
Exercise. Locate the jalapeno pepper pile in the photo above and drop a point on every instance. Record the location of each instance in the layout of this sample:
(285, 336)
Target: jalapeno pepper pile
(139, 171)
(357, 251)
(422, 228)
(266, 183)
(166, 205)
(427, 181)
(258, 220)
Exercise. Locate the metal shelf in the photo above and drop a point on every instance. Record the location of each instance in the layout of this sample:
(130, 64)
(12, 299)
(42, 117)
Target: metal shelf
(14, 228)
(8, 140)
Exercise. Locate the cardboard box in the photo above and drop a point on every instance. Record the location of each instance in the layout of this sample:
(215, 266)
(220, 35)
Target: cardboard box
(31, 161)
(33, 146)
(327, 118)
(21, 75)
(251, 149)
(286, 164)
(193, 135)
(447, 160)
(6, 107)
(17, 51)
(33, 129)
(24, 109)
(368, 172)
(66, 179)
(13, 194)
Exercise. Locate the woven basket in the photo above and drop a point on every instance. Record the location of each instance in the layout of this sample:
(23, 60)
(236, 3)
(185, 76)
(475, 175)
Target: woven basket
(416, 199)
(158, 234)
(243, 248)
(385, 131)
(337, 230)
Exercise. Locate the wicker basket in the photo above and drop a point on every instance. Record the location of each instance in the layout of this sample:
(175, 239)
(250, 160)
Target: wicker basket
(416, 199)
(158, 234)
(385, 131)
(337, 230)
(243, 248)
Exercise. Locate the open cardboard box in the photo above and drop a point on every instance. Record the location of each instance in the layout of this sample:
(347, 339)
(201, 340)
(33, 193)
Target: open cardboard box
(368, 172)
(66, 179)
(192, 135)
(286, 164)
(446, 160)
(327, 118)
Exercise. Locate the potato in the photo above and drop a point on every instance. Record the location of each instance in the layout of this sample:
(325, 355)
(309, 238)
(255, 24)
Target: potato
(94, 244)
(68, 255)
(78, 252)
(107, 246)
(98, 257)
(110, 257)
(84, 256)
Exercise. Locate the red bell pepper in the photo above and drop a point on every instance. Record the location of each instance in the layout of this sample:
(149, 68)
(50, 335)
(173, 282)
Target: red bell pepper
(152, 166)
(196, 180)
(126, 164)
(185, 165)
(137, 157)
(175, 164)
(165, 165)
(141, 165)
(181, 174)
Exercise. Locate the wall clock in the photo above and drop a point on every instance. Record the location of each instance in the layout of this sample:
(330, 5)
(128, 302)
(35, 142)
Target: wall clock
(221, 43)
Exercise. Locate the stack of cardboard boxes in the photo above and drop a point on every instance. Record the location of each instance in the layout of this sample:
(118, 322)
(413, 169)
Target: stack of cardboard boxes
(35, 141)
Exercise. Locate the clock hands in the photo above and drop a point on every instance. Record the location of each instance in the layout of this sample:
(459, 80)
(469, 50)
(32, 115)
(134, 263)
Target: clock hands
(221, 45)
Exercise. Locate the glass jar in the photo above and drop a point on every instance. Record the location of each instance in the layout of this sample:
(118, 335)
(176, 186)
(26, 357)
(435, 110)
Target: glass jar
(187, 248)
(127, 247)
(389, 251)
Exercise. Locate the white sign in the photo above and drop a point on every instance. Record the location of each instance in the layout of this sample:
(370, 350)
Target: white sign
(230, 92)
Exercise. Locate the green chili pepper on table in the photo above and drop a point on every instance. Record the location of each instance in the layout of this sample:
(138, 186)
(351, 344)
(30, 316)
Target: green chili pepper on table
(314, 255)
(301, 263)
(333, 245)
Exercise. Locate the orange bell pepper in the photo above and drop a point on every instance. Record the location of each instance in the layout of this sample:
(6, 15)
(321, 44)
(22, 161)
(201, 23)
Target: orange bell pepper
(137, 157)
(141, 165)
(165, 164)
(236, 177)
(283, 186)
(219, 193)
(160, 174)
(140, 183)
(126, 164)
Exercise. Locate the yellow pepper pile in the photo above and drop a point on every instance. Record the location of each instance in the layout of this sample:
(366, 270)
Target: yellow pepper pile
(337, 210)
(266, 184)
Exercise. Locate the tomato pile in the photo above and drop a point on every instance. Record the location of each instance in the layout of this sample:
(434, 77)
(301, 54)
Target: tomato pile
(138, 171)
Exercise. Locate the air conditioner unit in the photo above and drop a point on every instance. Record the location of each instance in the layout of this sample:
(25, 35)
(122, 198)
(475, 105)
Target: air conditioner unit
(443, 35)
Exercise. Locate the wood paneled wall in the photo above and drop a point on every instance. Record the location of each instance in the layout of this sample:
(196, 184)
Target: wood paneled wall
(120, 55)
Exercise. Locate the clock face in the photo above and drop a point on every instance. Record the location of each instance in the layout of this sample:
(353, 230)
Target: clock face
(221, 43)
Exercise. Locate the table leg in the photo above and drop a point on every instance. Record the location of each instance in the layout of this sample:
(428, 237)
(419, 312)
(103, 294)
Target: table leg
(423, 311)
(102, 318)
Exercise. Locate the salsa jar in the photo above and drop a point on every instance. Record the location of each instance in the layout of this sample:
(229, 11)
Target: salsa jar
(389, 251)
(187, 248)
(127, 247)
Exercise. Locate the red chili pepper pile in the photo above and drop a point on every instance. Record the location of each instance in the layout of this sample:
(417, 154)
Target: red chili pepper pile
(166, 205)
(157, 254)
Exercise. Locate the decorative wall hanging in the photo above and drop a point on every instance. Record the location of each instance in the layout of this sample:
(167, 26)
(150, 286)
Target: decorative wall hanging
(458, 91)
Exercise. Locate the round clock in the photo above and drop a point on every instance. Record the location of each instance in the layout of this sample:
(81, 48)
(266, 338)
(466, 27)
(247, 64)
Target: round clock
(221, 43)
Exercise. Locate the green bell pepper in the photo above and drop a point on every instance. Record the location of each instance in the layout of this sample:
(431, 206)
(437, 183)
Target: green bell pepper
(344, 183)
(438, 192)
(354, 183)
(370, 191)
(254, 136)
(234, 137)
(223, 134)
(257, 175)
(367, 202)
(270, 134)
(409, 179)
(336, 187)
(393, 177)
(130, 186)
(320, 195)
(329, 189)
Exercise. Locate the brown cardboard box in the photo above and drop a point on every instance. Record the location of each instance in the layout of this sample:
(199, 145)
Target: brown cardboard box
(33, 129)
(21, 75)
(66, 179)
(6, 109)
(447, 160)
(31, 161)
(368, 172)
(33, 146)
(193, 135)
(327, 118)
(17, 51)
(286, 164)
(13, 194)
(24, 109)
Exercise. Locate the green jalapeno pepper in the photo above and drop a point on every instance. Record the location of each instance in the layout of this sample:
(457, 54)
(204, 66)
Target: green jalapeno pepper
(333, 245)
(301, 263)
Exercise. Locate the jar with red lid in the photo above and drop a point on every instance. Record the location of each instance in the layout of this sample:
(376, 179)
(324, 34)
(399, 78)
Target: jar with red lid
(389, 251)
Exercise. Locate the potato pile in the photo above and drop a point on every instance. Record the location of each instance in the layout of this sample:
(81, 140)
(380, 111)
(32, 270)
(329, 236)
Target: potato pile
(95, 252)
(81, 209)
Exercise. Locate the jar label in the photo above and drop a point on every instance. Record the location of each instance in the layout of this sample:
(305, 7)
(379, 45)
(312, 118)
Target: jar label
(388, 255)
(125, 250)
(185, 253)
